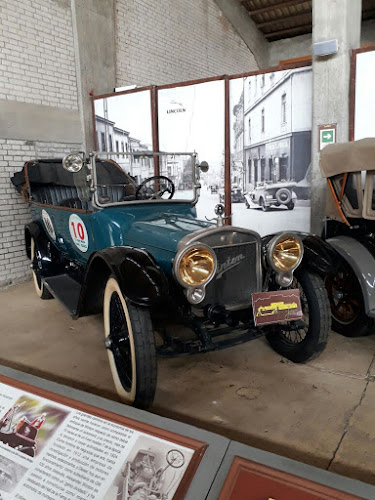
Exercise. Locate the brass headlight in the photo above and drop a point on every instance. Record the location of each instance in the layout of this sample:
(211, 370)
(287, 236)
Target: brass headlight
(196, 266)
(287, 253)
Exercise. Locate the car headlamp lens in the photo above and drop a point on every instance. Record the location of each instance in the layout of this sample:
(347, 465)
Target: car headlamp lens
(196, 266)
(73, 162)
(286, 253)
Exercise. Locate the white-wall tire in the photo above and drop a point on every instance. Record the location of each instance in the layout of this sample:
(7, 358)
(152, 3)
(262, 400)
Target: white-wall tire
(130, 346)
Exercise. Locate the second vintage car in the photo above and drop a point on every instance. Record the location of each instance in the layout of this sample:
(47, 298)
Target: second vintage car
(167, 282)
(350, 228)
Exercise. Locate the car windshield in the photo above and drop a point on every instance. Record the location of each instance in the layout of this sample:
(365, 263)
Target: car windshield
(144, 176)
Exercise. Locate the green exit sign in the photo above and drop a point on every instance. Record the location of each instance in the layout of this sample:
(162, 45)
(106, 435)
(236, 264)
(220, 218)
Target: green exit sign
(327, 135)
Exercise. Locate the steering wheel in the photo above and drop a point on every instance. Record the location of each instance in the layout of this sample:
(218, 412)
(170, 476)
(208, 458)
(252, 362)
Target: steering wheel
(155, 187)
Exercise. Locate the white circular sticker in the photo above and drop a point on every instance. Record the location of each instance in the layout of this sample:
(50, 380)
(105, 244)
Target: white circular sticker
(48, 224)
(78, 233)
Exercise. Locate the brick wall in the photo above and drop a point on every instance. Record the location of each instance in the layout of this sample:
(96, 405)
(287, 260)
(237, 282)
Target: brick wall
(157, 41)
(167, 41)
(14, 213)
(37, 53)
(38, 67)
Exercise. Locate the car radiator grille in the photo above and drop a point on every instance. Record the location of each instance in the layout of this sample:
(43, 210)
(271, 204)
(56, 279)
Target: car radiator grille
(238, 275)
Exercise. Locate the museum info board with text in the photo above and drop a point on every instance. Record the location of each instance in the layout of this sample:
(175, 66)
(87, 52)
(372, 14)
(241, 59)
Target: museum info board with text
(50, 450)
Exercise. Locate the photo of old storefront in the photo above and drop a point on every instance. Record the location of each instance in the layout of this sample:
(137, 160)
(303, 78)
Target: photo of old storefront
(272, 128)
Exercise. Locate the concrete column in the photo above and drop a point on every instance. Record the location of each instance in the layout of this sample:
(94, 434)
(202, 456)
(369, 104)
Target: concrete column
(94, 45)
(340, 19)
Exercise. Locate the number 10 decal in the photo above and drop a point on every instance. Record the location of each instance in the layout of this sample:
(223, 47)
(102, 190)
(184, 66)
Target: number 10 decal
(78, 233)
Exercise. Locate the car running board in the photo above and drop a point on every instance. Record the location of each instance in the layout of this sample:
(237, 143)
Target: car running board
(66, 290)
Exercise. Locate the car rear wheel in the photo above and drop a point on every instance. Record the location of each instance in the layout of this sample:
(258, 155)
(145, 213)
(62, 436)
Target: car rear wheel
(301, 341)
(35, 258)
(130, 344)
(347, 308)
(290, 205)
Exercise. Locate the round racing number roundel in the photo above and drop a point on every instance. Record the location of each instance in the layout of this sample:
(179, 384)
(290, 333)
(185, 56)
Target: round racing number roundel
(48, 224)
(78, 233)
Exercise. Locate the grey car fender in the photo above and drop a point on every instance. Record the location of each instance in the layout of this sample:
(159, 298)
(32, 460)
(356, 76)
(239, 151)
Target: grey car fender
(363, 265)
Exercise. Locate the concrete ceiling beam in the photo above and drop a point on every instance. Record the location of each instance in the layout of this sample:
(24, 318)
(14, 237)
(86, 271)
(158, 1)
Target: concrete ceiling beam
(239, 17)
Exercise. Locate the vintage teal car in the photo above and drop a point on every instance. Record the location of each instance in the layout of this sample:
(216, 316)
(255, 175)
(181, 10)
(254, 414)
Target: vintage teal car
(122, 237)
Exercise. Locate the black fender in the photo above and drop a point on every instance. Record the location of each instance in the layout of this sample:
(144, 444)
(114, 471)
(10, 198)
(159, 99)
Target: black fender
(140, 278)
(51, 263)
(34, 230)
(319, 256)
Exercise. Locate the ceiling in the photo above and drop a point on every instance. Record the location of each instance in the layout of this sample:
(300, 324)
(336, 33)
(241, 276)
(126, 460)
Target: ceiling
(278, 19)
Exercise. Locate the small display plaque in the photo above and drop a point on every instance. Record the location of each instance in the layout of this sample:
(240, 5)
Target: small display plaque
(276, 307)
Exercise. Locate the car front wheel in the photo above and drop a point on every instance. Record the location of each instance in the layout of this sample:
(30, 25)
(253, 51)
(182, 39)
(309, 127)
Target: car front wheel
(303, 340)
(130, 344)
(262, 203)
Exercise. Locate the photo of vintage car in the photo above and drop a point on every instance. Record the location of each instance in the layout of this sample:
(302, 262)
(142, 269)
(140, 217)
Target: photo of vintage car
(142, 480)
(236, 195)
(10, 475)
(268, 193)
(100, 242)
(22, 434)
(349, 228)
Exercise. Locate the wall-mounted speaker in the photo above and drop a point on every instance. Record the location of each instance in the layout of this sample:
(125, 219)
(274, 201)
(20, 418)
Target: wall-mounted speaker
(326, 48)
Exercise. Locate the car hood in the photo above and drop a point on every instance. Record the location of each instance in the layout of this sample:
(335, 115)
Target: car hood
(164, 231)
(152, 227)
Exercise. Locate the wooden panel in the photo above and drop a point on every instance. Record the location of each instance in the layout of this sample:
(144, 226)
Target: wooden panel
(252, 481)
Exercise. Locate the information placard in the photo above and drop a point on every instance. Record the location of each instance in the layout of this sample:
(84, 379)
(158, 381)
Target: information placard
(52, 448)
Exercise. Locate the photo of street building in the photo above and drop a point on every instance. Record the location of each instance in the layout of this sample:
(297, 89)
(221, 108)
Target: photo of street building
(364, 107)
(271, 150)
(123, 126)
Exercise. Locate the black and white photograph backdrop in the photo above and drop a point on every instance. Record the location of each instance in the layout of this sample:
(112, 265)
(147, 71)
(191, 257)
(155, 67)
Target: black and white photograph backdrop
(270, 125)
(123, 124)
(364, 107)
(191, 119)
(270, 143)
